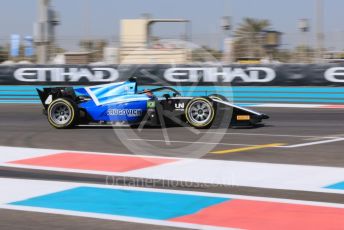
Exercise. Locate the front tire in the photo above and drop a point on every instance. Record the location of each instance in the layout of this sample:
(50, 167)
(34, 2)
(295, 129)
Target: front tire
(200, 113)
(63, 113)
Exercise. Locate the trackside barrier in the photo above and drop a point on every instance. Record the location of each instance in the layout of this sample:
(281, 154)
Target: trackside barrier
(283, 83)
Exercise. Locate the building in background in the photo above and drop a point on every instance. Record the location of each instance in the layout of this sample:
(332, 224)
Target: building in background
(44, 31)
(28, 47)
(15, 45)
(139, 46)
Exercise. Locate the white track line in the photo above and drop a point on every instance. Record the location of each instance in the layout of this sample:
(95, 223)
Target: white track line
(21, 153)
(190, 142)
(331, 138)
(17, 153)
(272, 135)
(312, 143)
(296, 106)
(288, 105)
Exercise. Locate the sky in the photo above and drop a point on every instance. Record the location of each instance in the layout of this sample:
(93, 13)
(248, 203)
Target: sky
(101, 18)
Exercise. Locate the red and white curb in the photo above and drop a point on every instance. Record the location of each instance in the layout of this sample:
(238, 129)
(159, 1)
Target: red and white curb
(217, 172)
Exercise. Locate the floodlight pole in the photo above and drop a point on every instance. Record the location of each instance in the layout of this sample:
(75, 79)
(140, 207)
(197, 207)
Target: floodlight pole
(44, 30)
(226, 26)
(320, 27)
(41, 33)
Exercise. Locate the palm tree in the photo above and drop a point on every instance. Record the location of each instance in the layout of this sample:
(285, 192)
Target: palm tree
(248, 38)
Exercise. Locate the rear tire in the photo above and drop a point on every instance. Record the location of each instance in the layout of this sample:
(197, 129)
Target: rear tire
(200, 113)
(63, 113)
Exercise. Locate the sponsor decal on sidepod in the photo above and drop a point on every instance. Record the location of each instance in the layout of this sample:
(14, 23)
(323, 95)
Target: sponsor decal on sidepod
(124, 112)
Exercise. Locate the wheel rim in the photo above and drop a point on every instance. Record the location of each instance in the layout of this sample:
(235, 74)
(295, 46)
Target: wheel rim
(60, 114)
(200, 112)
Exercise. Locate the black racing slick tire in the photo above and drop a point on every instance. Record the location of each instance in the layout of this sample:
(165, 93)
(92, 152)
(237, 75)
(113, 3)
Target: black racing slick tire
(200, 113)
(63, 113)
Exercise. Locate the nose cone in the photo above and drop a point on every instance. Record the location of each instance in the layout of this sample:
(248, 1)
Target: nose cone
(264, 116)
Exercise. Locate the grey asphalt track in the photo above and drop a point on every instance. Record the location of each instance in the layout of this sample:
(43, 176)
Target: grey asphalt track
(313, 136)
(25, 126)
(40, 221)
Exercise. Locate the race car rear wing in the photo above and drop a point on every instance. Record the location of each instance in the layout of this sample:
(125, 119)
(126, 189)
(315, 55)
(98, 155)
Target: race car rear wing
(48, 95)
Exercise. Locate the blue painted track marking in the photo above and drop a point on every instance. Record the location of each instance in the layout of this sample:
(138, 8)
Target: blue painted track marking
(286, 100)
(26, 87)
(19, 97)
(339, 186)
(150, 205)
(18, 93)
(20, 101)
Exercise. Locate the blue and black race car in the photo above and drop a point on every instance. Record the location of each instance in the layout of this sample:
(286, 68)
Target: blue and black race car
(67, 107)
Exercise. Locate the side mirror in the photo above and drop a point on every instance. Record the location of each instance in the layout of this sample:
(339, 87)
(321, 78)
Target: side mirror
(167, 96)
